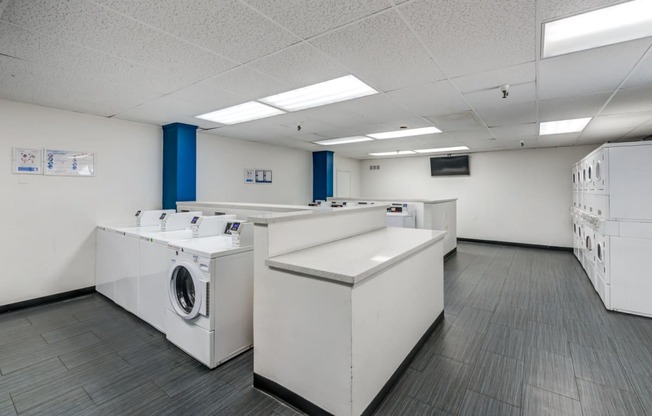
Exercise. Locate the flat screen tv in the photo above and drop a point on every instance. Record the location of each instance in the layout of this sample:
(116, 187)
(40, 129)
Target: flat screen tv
(449, 166)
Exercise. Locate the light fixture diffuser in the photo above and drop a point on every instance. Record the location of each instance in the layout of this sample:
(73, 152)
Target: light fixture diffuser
(394, 153)
(343, 140)
(328, 92)
(251, 110)
(405, 133)
(615, 24)
(442, 149)
(563, 126)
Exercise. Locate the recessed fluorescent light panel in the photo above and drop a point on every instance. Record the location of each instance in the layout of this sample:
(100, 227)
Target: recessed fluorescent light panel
(442, 149)
(328, 92)
(241, 113)
(405, 133)
(563, 126)
(343, 140)
(615, 24)
(395, 153)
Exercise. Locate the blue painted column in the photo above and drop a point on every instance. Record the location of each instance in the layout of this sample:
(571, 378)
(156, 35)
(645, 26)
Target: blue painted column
(322, 175)
(179, 164)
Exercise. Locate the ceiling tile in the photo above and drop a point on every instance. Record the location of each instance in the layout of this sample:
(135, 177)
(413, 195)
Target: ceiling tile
(379, 108)
(160, 112)
(308, 18)
(469, 36)
(335, 115)
(555, 9)
(381, 51)
(90, 25)
(457, 121)
(247, 83)
(556, 140)
(515, 132)
(493, 99)
(527, 143)
(514, 75)
(431, 99)
(572, 107)
(642, 131)
(641, 76)
(226, 27)
(300, 65)
(630, 101)
(614, 127)
(586, 72)
(517, 113)
(471, 135)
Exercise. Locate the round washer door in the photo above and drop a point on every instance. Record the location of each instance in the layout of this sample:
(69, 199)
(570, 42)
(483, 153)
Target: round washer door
(600, 251)
(186, 291)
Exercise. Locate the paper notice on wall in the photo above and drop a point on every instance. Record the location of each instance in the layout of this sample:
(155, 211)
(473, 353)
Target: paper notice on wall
(69, 163)
(27, 161)
(260, 176)
(250, 175)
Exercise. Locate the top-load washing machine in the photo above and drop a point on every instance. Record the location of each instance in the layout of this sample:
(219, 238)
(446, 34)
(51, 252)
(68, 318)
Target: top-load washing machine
(116, 266)
(154, 260)
(210, 290)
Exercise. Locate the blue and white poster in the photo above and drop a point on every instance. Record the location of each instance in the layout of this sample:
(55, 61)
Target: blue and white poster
(69, 163)
(27, 161)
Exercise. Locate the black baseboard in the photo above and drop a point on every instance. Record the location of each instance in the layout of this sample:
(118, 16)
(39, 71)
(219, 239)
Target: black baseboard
(47, 299)
(304, 405)
(450, 253)
(512, 244)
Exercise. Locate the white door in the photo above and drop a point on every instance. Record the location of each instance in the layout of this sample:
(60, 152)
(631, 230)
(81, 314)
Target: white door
(343, 184)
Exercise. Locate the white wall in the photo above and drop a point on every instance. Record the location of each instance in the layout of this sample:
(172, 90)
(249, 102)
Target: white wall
(343, 163)
(519, 196)
(220, 172)
(48, 243)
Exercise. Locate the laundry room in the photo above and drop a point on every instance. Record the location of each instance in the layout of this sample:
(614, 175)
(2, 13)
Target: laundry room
(327, 207)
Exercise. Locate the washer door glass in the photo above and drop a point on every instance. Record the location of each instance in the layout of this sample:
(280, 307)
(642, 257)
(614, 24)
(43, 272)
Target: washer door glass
(600, 252)
(590, 170)
(598, 170)
(184, 289)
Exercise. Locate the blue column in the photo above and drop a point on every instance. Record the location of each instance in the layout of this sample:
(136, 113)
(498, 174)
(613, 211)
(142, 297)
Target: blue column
(179, 164)
(322, 175)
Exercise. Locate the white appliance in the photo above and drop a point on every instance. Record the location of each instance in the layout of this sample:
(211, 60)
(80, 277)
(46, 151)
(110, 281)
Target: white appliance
(210, 290)
(398, 216)
(117, 258)
(614, 213)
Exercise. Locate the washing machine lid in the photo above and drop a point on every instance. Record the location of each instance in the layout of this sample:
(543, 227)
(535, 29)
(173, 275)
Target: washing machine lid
(209, 247)
(138, 231)
(166, 237)
(187, 292)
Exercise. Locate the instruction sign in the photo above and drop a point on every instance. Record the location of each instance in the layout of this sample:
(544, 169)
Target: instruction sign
(69, 163)
(28, 161)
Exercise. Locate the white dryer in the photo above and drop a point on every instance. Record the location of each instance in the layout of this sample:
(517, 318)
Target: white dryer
(210, 289)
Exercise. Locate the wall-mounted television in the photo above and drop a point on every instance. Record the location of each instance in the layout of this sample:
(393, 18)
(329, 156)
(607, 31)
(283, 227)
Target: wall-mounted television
(449, 166)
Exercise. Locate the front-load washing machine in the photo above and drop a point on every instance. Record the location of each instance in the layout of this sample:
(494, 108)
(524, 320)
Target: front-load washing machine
(210, 290)
(154, 262)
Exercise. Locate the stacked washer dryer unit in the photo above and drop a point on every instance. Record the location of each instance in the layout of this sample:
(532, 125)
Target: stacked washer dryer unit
(612, 224)
(210, 288)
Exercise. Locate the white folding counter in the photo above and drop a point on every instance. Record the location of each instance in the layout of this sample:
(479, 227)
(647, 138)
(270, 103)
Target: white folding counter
(341, 305)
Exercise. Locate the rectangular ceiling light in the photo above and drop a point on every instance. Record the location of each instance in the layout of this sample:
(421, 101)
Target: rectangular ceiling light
(405, 133)
(241, 113)
(563, 126)
(442, 149)
(620, 23)
(333, 91)
(394, 153)
(343, 140)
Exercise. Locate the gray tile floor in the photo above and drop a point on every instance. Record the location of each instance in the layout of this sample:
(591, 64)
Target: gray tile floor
(524, 334)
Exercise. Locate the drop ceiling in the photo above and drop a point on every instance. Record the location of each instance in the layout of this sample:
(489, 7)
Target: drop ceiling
(434, 62)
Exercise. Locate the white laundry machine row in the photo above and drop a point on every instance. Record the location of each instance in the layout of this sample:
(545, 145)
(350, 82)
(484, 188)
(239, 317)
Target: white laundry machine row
(612, 224)
(210, 292)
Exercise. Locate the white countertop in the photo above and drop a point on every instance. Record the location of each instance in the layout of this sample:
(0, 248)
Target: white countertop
(251, 205)
(354, 259)
(396, 200)
(210, 247)
(319, 212)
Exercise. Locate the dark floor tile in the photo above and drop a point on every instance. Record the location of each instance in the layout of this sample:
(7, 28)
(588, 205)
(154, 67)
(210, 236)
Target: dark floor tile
(538, 402)
(459, 344)
(588, 334)
(282, 410)
(599, 366)
(132, 400)
(75, 329)
(551, 314)
(635, 356)
(643, 388)
(598, 400)
(443, 383)
(511, 316)
(94, 352)
(550, 371)
(50, 369)
(514, 297)
(473, 319)
(505, 341)
(477, 404)
(548, 338)
(499, 377)
(73, 402)
(7, 407)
